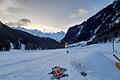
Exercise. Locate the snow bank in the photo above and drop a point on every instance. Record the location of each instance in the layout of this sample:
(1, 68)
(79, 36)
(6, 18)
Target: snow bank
(97, 66)
(82, 44)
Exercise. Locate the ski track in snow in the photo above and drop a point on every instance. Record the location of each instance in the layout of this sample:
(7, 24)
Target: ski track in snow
(35, 65)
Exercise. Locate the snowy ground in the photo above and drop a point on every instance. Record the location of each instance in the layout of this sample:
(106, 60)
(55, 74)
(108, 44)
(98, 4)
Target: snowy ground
(96, 60)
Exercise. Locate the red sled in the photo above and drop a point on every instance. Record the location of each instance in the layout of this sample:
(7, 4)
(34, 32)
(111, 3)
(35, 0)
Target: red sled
(58, 72)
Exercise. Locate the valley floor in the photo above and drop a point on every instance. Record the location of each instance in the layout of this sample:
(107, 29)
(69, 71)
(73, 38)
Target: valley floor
(96, 60)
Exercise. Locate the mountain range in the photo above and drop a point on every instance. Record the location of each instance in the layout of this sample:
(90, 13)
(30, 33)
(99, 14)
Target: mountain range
(58, 36)
(18, 38)
(101, 27)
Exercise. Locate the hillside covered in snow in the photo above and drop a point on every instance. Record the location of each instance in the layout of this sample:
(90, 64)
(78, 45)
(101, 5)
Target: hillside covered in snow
(95, 60)
(102, 23)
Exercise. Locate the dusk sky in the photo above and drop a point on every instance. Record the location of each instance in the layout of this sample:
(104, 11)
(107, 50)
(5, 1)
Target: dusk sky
(49, 15)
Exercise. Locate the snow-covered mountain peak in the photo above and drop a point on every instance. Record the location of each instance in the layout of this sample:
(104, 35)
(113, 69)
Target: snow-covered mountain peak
(58, 36)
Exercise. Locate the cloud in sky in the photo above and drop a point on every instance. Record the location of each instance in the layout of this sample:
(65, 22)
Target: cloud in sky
(5, 4)
(26, 23)
(56, 14)
(79, 13)
(9, 7)
(21, 22)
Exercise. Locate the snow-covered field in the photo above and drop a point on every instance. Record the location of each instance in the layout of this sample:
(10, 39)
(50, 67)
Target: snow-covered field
(96, 60)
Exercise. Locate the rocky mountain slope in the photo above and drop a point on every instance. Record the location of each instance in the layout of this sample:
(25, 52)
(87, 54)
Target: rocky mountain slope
(98, 23)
